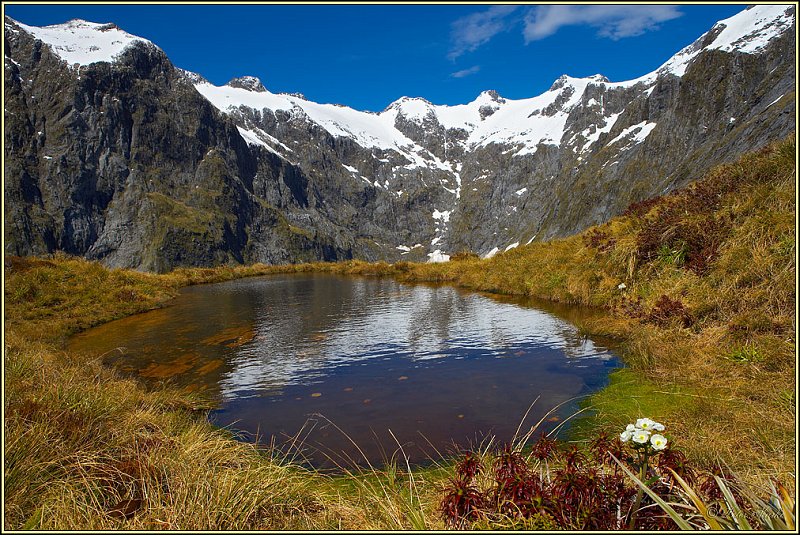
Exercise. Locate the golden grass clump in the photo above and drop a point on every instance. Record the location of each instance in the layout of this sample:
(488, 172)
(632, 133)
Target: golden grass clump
(699, 287)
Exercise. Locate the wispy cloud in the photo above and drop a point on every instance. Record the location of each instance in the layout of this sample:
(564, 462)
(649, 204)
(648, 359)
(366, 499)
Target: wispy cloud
(611, 21)
(466, 72)
(470, 32)
(614, 22)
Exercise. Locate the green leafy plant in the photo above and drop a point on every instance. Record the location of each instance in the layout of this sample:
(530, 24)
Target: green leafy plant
(745, 354)
(674, 256)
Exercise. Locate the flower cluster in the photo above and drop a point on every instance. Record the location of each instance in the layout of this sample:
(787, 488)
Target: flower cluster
(642, 433)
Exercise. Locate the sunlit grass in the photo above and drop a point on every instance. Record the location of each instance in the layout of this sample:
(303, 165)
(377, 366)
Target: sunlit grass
(709, 340)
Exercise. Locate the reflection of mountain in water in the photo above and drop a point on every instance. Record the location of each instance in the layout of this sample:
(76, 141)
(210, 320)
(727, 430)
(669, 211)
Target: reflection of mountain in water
(305, 326)
(256, 336)
(369, 354)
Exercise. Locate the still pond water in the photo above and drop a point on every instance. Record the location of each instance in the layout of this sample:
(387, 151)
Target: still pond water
(330, 359)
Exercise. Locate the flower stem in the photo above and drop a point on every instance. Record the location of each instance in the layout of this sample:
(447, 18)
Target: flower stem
(638, 502)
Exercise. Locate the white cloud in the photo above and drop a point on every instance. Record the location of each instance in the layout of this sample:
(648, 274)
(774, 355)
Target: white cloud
(466, 72)
(470, 32)
(614, 22)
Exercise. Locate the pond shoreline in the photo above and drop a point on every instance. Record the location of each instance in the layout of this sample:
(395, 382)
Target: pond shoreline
(268, 350)
(709, 344)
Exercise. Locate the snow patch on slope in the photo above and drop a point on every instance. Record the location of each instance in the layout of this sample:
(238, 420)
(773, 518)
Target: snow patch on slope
(637, 133)
(443, 216)
(82, 42)
(752, 29)
(593, 136)
(438, 256)
(491, 253)
(257, 137)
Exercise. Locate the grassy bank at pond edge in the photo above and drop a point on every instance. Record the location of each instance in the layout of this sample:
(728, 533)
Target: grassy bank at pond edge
(699, 285)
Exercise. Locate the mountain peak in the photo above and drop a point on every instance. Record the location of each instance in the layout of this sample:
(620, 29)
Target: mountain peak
(193, 77)
(248, 83)
(81, 23)
(411, 107)
(560, 82)
(82, 42)
(403, 100)
(750, 30)
(491, 95)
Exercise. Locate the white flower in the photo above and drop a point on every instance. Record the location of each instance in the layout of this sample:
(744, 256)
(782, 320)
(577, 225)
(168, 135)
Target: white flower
(657, 426)
(625, 436)
(621, 286)
(659, 442)
(645, 423)
(641, 437)
(631, 428)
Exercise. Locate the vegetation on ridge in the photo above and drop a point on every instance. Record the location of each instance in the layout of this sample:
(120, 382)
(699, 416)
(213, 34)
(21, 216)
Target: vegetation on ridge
(699, 284)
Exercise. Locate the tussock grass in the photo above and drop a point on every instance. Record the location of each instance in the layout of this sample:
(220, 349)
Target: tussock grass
(706, 319)
(88, 449)
(708, 307)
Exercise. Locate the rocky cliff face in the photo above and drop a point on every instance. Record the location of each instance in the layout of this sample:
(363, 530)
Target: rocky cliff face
(113, 153)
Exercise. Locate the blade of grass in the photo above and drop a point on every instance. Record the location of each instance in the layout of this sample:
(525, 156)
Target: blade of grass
(524, 416)
(702, 508)
(736, 513)
(673, 514)
(787, 506)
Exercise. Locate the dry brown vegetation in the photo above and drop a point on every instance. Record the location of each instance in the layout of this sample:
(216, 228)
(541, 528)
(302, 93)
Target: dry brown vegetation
(707, 316)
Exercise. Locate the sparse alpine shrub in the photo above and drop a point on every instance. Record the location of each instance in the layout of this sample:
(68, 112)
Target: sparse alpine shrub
(685, 232)
(672, 464)
(462, 503)
(585, 489)
(666, 310)
(599, 239)
(638, 209)
(570, 487)
(509, 464)
(544, 449)
(469, 467)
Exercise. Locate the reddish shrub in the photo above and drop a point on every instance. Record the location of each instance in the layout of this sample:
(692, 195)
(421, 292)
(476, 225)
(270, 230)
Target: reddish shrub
(544, 449)
(638, 209)
(633, 308)
(582, 493)
(672, 459)
(469, 466)
(462, 503)
(600, 240)
(509, 465)
(686, 223)
(667, 310)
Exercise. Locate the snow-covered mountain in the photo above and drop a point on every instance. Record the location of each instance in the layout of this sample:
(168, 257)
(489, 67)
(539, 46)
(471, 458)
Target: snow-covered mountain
(417, 180)
(81, 43)
(488, 119)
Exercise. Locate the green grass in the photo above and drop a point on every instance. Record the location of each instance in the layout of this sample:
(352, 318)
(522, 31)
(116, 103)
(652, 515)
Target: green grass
(708, 335)
(628, 397)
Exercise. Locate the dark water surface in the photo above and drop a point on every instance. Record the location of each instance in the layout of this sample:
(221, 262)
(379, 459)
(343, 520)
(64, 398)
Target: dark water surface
(318, 356)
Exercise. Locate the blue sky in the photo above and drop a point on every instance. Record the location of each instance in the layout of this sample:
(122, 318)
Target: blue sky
(366, 56)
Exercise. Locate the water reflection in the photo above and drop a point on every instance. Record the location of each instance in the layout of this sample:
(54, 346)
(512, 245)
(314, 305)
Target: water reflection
(369, 354)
